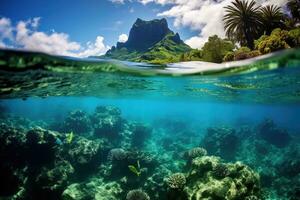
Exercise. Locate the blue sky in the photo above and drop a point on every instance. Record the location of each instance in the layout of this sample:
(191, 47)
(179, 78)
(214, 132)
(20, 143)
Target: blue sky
(85, 27)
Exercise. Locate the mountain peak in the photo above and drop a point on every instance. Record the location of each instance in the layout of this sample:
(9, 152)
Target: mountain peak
(145, 34)
(149, 36)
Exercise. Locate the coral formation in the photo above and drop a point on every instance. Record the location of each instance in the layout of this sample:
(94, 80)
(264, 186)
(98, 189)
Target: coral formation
(107, 122)
(137, 195)
(176, 181)
(240, 181)
(78, 122)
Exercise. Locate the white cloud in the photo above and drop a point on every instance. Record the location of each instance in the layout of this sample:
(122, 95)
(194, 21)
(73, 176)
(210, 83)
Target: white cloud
(54, 43)
(204, 16)
(123, 38)
(25, 36)
(6, 31)
(94, 49)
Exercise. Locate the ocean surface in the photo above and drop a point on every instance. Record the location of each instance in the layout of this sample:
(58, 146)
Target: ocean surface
(108, 129)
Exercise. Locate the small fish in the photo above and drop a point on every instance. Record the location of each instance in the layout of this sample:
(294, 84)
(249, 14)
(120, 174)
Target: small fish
(69, 137)
(133, 169)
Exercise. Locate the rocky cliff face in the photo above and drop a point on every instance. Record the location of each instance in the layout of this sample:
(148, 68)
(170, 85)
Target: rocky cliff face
(148, 41)
(144, 34)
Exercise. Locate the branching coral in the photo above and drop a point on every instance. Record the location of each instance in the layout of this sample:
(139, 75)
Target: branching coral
(176, 181)
(137, 195)
(195, 152)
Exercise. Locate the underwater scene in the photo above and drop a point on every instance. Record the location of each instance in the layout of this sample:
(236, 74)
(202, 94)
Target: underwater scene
(79, 129)
(150, 100)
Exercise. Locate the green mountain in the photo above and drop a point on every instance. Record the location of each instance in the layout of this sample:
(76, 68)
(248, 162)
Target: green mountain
(150, 41)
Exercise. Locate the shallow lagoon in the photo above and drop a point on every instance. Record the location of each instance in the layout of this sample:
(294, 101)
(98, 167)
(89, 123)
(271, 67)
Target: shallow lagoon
(68, 134)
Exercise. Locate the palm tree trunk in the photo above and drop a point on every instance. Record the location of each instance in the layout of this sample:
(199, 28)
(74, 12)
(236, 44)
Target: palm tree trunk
(249, 39)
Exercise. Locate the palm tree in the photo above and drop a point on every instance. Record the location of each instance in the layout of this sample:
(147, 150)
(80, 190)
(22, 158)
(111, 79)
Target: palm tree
(243, 22)
(272, 17)
(294, 7)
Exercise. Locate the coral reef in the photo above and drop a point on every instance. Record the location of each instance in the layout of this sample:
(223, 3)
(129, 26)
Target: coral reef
(124, 159)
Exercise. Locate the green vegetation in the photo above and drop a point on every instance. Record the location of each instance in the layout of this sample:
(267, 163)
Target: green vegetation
(164, 51)
(267, 28)
(213, 50)
(216, 48)
(278, 40)
(257, 29)
(241, 54)
(195, 55)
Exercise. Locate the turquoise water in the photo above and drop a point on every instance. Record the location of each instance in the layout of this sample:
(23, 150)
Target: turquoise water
(73, 129)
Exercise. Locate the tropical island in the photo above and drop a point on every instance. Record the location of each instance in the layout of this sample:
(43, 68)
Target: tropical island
(251, 30)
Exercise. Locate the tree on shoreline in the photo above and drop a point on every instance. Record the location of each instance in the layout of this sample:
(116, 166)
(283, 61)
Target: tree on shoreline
(243, 22)
(272, 17)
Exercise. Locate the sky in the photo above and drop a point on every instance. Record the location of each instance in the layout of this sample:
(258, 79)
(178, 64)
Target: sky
(82, 28)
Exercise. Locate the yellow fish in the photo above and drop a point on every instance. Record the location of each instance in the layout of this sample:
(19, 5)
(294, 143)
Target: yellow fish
(134, 169)
(70, 137)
